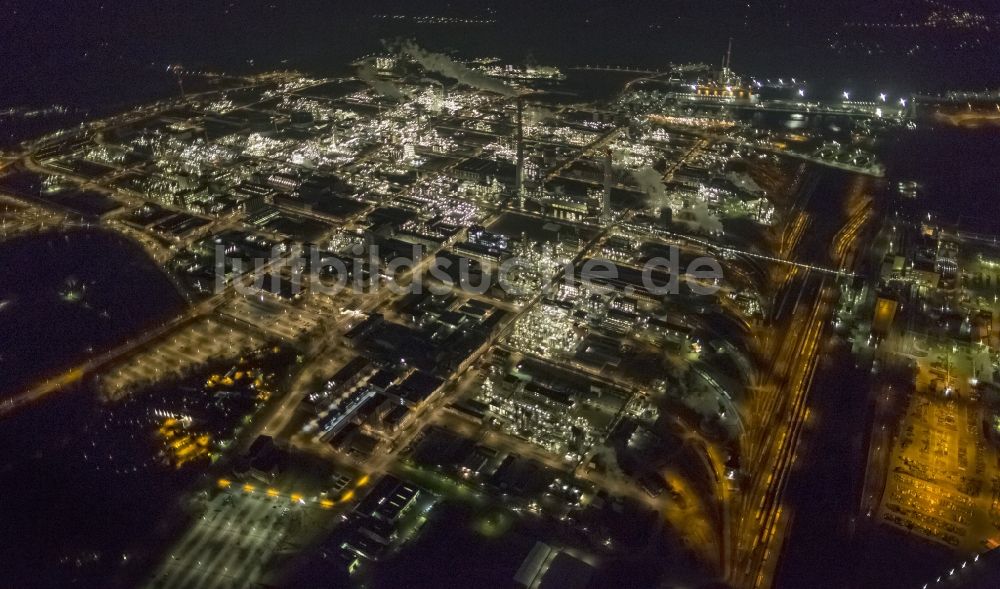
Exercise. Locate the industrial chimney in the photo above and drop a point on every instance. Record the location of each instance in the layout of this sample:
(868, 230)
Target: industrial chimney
(520, 151)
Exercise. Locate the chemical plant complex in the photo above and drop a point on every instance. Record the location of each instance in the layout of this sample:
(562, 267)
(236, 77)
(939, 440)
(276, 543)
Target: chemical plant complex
(597, 333)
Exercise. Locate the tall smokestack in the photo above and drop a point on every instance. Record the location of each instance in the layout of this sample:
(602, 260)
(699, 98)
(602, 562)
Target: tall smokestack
(520, 150)
(729, 54)
(606, 197)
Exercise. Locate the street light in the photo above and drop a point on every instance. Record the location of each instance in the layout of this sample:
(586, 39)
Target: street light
(882, 97)
(847, 95)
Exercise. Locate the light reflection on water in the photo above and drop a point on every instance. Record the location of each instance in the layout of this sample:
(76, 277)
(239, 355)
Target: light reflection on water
(63, 295)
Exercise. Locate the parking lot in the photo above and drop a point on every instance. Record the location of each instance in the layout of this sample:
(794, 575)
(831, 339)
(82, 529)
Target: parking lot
(232, 543)
(943, 478)
(204, 340)
(279, 319)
